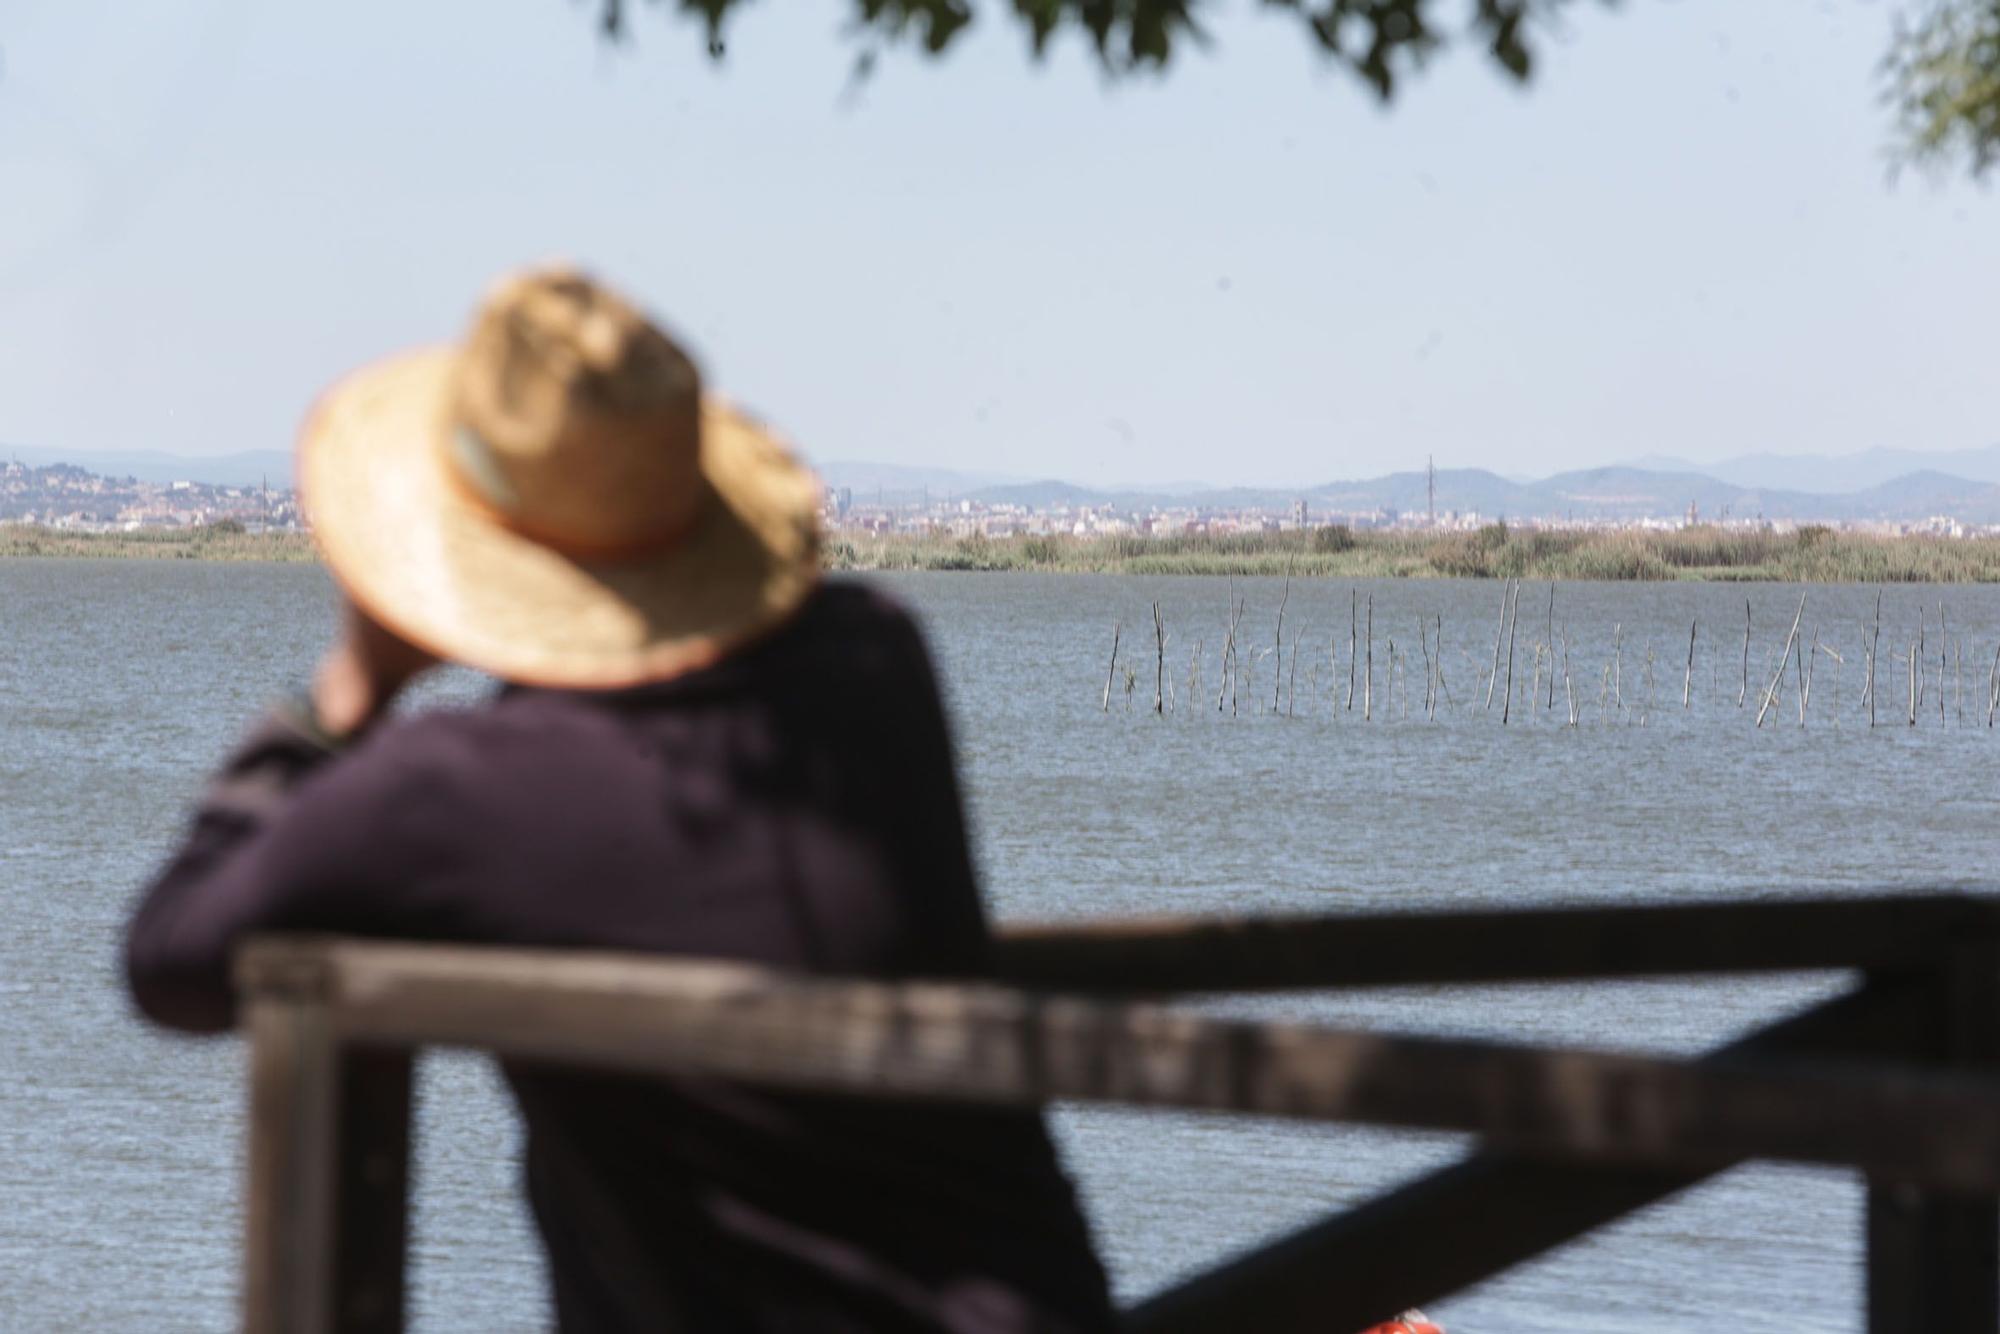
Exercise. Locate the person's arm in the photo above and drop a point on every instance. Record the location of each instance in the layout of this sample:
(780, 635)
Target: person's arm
(934, 846)
(285, 830)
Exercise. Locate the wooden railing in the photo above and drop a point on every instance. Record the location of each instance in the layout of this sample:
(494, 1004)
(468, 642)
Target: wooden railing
(1895, 1079)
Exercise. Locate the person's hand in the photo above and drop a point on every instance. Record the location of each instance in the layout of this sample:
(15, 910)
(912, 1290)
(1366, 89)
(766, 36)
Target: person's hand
(362, 673)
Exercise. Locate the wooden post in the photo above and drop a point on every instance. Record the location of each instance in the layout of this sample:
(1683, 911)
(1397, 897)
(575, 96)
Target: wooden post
(1933, 1256)
(1551, 702)
(1993, 687)
(1499, 633)
(1919, 654)
(1292, 685)
(1944, 648)
(1430, 676)
(1912, 665)
(1111, 668)
(1784, 655)
(1353, 635)
(1687, 682)
(1278, 642)
(1444, 686)
(1618, 665)
(328, 1197)
(1874, 646)
(1838, 664)
(1368, 676)
(1743, 691)
(1513, 623)
(1569, 689)
(1159, 663)
(1806, 660)
(288, 1241)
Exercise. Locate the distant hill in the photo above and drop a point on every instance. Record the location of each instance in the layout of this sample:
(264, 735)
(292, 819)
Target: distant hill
(249, 468)
(1619, 492)
(902, 484)
(1825, 474)
(1610, 494)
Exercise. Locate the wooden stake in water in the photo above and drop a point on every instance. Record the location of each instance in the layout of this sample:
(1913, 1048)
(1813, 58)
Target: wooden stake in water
(1493, 677)
(1838, 664)
(1443, 686)
(1808, 657)
(1352, 645)
(1292, 686)
(1278, 643)
(1783, 657)
(1552, 644)
(1993, 687)
(1535, 686)
(1919, 655)
(1805, 677)
(1618, 665)
(1430, 677)
(1513, 624)
(1159, 663)
(1569, 690)
(1687, 682)
(1229, 650)
(1368, 676)
(1392, 679)
(1875, 649)
(1743, 690)
(1913, 683)
(1647, 709)
(1112, 669)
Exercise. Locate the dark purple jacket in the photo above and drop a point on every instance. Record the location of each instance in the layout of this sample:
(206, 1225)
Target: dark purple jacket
(795, 805)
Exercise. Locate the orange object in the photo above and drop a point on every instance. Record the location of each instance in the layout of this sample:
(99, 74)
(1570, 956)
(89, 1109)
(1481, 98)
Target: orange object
(1410, 1322)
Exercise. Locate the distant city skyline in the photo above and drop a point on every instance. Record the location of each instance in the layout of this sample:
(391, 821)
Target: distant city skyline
(1680, 240)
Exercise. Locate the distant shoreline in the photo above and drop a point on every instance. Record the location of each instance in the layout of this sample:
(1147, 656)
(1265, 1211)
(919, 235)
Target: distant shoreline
(1810, 555)
(209, 542)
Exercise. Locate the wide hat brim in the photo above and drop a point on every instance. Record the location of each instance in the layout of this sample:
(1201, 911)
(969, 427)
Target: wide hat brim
(415, 550)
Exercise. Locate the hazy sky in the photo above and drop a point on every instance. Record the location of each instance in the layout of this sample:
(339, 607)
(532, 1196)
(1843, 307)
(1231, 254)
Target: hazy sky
(1681, 238)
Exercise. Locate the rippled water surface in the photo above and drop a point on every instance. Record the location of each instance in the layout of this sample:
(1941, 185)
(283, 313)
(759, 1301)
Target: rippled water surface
(120, 683)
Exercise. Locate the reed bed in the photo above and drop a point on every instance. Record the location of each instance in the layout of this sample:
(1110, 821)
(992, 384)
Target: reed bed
(1809, 555)
(222, 542)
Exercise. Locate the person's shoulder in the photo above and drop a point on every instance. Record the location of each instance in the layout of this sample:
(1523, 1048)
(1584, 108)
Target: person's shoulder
(851, 631)
(856, 617)
(849, 603)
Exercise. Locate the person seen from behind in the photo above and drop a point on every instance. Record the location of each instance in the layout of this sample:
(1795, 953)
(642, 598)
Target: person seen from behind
(698, 747)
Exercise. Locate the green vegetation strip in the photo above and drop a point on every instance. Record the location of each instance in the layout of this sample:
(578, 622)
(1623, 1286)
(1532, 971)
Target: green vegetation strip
(219, 541)
(1810, 555)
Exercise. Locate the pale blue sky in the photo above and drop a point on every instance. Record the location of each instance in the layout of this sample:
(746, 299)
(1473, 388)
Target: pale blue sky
(1680, 239)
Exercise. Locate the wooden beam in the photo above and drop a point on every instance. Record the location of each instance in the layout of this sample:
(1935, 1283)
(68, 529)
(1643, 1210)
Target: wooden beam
(288, 1241)
(1462, 1224)
(372, 1190)
(1934, 1256)
(1540, 944)
(991, 1045)
(327, 1218)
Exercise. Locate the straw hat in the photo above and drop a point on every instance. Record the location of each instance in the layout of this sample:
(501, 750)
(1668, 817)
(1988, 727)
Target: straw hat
(556, 501)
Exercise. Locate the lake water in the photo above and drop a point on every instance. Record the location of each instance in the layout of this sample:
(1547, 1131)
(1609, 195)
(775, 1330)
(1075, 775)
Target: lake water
(122, 682)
